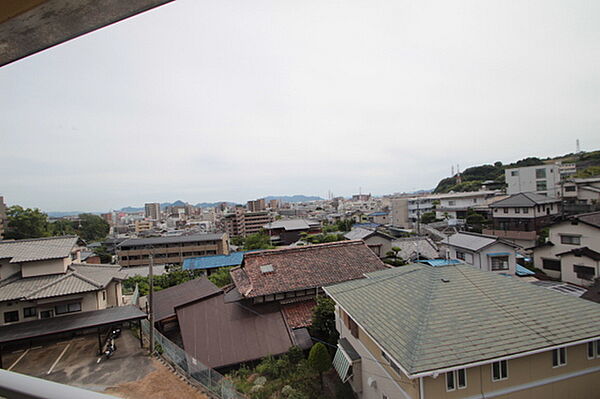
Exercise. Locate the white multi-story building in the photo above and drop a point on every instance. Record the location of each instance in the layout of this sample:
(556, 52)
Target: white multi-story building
(539, 179)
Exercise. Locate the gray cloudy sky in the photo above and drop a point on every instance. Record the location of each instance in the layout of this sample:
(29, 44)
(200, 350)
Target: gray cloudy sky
(236, 99)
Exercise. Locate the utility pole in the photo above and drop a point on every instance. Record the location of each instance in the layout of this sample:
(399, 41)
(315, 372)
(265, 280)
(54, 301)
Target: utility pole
(150, 298)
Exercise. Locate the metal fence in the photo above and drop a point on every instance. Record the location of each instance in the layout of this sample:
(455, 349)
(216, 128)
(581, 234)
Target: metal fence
(210, 379)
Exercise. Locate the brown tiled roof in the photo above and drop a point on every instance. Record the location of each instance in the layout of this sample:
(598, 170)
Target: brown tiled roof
(299, 314)
(305, 267)
(165, 301)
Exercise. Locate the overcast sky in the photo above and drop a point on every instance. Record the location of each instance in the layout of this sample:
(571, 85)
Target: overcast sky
(236, 99)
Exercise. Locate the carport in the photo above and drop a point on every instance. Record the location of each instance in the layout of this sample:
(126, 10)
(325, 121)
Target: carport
(76, 322)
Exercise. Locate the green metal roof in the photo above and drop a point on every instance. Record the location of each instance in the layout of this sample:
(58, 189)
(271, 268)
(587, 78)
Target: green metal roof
(431, 318)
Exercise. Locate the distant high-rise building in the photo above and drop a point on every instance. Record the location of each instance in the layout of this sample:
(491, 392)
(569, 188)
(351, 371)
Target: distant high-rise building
(152, 210)
(257, 205)
(3, 220)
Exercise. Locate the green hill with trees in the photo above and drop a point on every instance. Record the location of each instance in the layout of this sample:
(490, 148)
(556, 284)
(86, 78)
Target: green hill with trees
(588, 164)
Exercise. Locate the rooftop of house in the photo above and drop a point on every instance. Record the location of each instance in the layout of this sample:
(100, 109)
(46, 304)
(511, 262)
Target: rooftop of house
(170, 240)
(79, 278)
(213, 261)
(472, 241)
(409, 246)
(143, 271)
(525, 200)
(432, 319)
(166, 300)
(293, 224)
(592, 218)
(304, 267)
(36, 249)
(583, 251)
(593, 292)
(378, 214)
(360, 233)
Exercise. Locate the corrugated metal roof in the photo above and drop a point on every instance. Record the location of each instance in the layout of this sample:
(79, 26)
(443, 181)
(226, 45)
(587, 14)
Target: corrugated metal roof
(430, 318)
(214, 261)
(37, 249)
(293, 224)
(165, 301)
(358, 233)
(72, 322)
(471, 241)
(523, 271)
(169, 240)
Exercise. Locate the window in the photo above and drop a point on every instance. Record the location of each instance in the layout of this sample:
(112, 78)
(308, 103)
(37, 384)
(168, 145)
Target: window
(456, 379)
(451, 203)
(551, 264)
(517, 210)
(460, 255)
(525, 210)
(570, 188)
(540, 173)
(559, 357)
(353, 327)
(570, 239)
(67, 308)
(514, 173)
(12, 316)
(505, 210)
(104, 295)
(541, 185)
(46, 314)
(593, 349)
(29, 312)
(584, 272)
(500, 263)
(499, 370)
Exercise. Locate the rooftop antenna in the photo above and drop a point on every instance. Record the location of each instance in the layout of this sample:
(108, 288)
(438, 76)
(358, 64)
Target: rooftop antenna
(577, 148)
(452, 173)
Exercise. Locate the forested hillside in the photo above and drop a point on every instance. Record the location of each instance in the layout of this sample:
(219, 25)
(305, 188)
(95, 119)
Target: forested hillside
(588, 164)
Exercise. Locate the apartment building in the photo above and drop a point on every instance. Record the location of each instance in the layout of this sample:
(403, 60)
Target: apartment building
(485, 252)
(572, 251)
(152, 211)
(256, 205)
(520, 217)
(170, 250)
(44, 277)
(421, 331)
(3, 219)
(242, 223)
(141, 226)
(457, 205)
(540, 179)
(399, 213)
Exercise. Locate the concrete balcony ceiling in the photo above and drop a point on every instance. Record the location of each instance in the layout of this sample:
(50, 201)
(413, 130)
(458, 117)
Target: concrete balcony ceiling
(30, 26)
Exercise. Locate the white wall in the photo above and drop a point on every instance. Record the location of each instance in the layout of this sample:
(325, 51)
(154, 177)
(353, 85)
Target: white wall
(525, 180)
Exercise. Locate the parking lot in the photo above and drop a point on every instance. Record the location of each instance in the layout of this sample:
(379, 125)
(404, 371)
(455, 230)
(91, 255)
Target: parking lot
(75, 362)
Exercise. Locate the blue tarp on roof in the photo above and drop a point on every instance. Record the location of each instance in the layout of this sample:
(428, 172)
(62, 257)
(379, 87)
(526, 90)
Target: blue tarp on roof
(366, 225)
(523, 271)
(214, 261)
(378, 214)
(440, 262)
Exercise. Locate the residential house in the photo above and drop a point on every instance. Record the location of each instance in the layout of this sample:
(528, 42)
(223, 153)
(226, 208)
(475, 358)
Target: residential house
(457, 205)
(170, 250)
(581, 195)
(485, 252)
(539, 179)
(520, 217)
(286, 232)
(238, 332)
(379, 217)
(569, 252)
(377, 241)
(292, 277)
(418, 332)
(416, 248)
(44, 277)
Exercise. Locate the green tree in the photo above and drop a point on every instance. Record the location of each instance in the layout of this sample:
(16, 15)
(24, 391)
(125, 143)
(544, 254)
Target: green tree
(475, 221)
(220, 277)
(62, 227)
(592, 171)
(26, 223)
(392, 257)
(102, 252)
(323, 321)
(428, 217)
(92, 227)
(319, 359)
(257, 241)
